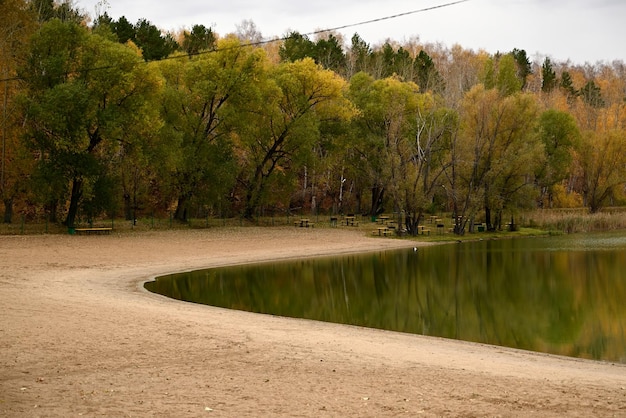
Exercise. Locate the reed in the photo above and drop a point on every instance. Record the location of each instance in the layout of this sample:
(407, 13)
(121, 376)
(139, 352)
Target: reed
(575, 220)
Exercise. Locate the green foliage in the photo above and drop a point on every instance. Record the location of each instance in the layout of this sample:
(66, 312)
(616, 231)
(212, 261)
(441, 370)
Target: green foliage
(326, 52)
(199, 39)
(296, 47)
(284, 124)
(329, 54)
(560, 136)
(124, 30)
(524, 68)
(508, 81)
(495, 156)
(428, 78)
(567, 85)
(200, 109)
(47, 10)
(592, 95)
(402, 140)
(78, 118)
(153, 44)
(359, 54)
(548, 77)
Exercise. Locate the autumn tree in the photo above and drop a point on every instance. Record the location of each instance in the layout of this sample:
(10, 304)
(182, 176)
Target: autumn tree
(203, 100)
(560, 136)
(281, 127)
(83, 93)
(401, 135)
(248, 33)
(17, 22)
(602, 163)
(463, 71)
(591, 94)
(422, 161)
(508, 80)
(494, 157)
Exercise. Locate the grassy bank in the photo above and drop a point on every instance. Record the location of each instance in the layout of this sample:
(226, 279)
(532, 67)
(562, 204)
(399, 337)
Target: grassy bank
(538, 222)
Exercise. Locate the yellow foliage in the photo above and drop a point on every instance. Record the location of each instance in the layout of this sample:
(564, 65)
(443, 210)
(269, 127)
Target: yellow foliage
(561, 198)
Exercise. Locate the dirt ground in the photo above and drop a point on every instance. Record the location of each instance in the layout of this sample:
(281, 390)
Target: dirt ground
(79, 336)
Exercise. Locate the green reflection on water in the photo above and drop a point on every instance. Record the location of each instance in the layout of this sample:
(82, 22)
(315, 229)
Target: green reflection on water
(561, 295)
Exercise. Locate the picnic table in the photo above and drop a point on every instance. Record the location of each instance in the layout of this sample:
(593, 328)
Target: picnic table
(350, 220)
(304, 223)
(384, 231)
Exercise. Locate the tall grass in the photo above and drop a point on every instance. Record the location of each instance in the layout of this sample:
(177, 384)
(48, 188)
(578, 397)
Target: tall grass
(575, 220)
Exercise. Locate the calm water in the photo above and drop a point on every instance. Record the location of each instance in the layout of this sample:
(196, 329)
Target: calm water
(563, 295)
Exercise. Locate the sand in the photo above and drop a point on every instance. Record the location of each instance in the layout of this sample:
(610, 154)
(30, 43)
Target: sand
(79, 336)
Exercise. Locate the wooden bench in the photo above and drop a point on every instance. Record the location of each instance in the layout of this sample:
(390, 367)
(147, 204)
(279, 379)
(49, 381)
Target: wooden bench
(88, 231)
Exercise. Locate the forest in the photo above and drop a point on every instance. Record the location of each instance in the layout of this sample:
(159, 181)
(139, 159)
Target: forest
(108, 118)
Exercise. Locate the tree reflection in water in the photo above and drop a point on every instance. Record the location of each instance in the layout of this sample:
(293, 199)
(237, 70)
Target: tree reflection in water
(561, 295)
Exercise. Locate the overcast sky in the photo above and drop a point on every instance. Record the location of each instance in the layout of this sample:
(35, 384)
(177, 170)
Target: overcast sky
(578, 30)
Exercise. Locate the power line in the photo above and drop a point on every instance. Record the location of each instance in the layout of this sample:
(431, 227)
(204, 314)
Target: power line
(268, 41)
(319, 31)
(351, 25)
(380, 19)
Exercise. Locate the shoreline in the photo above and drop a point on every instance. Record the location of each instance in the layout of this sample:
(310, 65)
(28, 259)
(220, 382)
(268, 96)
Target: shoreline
(81, 335)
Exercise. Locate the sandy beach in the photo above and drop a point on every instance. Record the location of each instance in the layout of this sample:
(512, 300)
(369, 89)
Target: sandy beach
(79, 336)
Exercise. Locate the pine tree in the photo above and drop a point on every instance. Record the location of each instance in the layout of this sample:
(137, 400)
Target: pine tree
(549, 80)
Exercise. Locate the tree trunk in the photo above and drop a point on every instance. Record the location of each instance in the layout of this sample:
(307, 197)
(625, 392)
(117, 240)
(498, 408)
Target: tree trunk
(412, 224)
(498, 222)
(377, 200)
(8, 210)
(254, 191)
(77, 191)
(181, 213)
(253, 197)
(51, 209)
(488, 219)
(512, 225)
(128, 209)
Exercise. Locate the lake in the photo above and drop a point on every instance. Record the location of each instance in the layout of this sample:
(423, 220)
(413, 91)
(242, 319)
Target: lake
(562, 295)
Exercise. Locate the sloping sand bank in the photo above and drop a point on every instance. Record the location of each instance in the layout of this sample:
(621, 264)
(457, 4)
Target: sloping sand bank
(80, 337)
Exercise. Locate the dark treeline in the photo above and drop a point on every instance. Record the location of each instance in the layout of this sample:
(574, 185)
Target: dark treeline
(120, 119)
